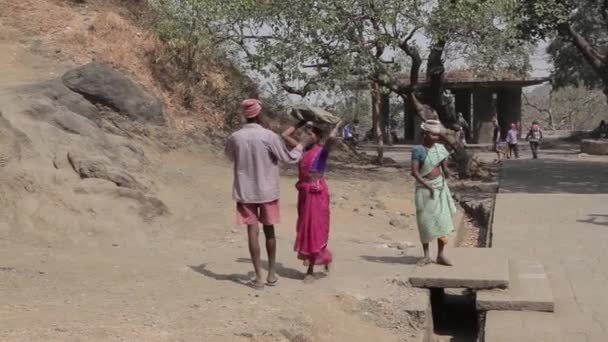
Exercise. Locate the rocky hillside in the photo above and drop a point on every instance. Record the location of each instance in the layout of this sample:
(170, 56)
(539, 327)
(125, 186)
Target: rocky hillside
(76, 143)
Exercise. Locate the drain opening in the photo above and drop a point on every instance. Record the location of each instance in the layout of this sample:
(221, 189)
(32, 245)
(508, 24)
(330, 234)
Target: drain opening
(455, 317)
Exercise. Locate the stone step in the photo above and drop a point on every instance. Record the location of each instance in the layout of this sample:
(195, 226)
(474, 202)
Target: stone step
(474, 268)
(529, 290)
(509, 326)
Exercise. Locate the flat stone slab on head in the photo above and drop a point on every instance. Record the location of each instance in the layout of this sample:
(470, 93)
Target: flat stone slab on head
(529, 290)
(314, 114)
(474, 268)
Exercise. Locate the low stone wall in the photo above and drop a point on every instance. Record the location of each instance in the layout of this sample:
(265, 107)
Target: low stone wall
(561, 134)
(596, 147)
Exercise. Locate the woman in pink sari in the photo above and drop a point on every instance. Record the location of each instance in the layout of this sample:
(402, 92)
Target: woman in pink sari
(313, 201)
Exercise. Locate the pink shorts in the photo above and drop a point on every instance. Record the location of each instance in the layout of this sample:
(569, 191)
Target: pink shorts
(254, 213)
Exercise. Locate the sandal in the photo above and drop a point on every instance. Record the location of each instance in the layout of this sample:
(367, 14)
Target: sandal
(272, 283)
(254, 285)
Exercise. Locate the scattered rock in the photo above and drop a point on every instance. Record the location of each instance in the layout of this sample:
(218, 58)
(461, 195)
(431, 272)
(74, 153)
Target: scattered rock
(247, 335)
(398, 223)
(101, 84)
(380, 206)
(356, 210)
(401, 245)
(385, 237)
(371, 214)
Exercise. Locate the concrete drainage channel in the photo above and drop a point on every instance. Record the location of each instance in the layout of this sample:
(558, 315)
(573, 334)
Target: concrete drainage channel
(468, 300)
(455, 315)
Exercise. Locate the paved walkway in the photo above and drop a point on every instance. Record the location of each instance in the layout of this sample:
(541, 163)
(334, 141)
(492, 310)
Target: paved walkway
(555, 210)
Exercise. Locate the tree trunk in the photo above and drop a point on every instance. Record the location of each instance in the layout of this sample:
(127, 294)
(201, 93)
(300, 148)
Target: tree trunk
(376, 121)
(443, 107)
(597, 60)
(550, 111)
(435, 70)
(435, 93)
(385, 113)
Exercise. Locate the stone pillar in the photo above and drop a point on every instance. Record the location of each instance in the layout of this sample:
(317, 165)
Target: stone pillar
(483, 112)
(509, 108)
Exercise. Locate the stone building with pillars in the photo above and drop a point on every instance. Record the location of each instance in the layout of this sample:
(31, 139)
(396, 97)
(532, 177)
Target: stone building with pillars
(479, 100)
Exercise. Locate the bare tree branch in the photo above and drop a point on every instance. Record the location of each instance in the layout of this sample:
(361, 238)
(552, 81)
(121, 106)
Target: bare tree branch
(537, 108)
(591, 55)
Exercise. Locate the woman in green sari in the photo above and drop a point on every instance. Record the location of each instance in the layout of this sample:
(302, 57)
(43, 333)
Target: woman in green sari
(434, 204)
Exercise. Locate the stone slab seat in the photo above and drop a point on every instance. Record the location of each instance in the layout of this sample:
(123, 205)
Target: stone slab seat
(529, 290)
(474, 268)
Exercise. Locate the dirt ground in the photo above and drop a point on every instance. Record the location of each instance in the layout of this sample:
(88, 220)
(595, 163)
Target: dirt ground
(79, 265)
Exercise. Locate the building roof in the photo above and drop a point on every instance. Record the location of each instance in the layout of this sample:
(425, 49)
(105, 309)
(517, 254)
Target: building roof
(466, 79)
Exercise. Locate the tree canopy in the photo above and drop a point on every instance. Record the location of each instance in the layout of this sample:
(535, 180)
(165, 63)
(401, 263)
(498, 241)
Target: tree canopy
(578, 30)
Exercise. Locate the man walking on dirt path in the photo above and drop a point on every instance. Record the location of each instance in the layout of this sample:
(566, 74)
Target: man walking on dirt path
(256, 153)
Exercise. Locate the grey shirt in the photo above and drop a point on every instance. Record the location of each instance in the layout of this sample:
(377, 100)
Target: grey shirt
(256, 153)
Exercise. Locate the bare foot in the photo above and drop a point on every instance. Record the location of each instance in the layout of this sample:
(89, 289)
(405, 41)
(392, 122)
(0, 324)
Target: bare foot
(442, 260)
(309, 279)
(424, 261)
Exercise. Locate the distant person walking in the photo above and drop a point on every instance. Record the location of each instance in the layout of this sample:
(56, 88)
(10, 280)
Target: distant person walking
(512, 137)
(348, 135)
(602, 130)
(495, 134)
(464, 128)
(312, 229)
(535, 137)
(256, 153)
(434, 204)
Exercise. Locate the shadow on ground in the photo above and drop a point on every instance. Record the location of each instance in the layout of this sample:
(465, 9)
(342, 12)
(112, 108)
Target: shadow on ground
(282, 271)
(237, 278)
(544, 176)
(596, 219)
(404, 259)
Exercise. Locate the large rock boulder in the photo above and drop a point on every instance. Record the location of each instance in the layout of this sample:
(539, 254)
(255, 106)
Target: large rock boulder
(56, 91)
(597, 147)
(101, 83)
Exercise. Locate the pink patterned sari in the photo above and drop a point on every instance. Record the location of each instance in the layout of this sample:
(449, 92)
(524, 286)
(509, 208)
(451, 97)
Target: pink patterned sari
(313, 209)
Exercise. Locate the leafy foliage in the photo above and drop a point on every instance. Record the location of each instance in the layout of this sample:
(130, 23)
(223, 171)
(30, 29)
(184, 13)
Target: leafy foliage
(578, 30)
(569, 69)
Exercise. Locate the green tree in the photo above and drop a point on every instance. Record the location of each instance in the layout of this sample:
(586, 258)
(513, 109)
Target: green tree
(579, 29)
(312, 45)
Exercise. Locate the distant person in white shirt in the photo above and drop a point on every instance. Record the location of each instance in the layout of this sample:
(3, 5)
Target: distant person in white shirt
(512, 136)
